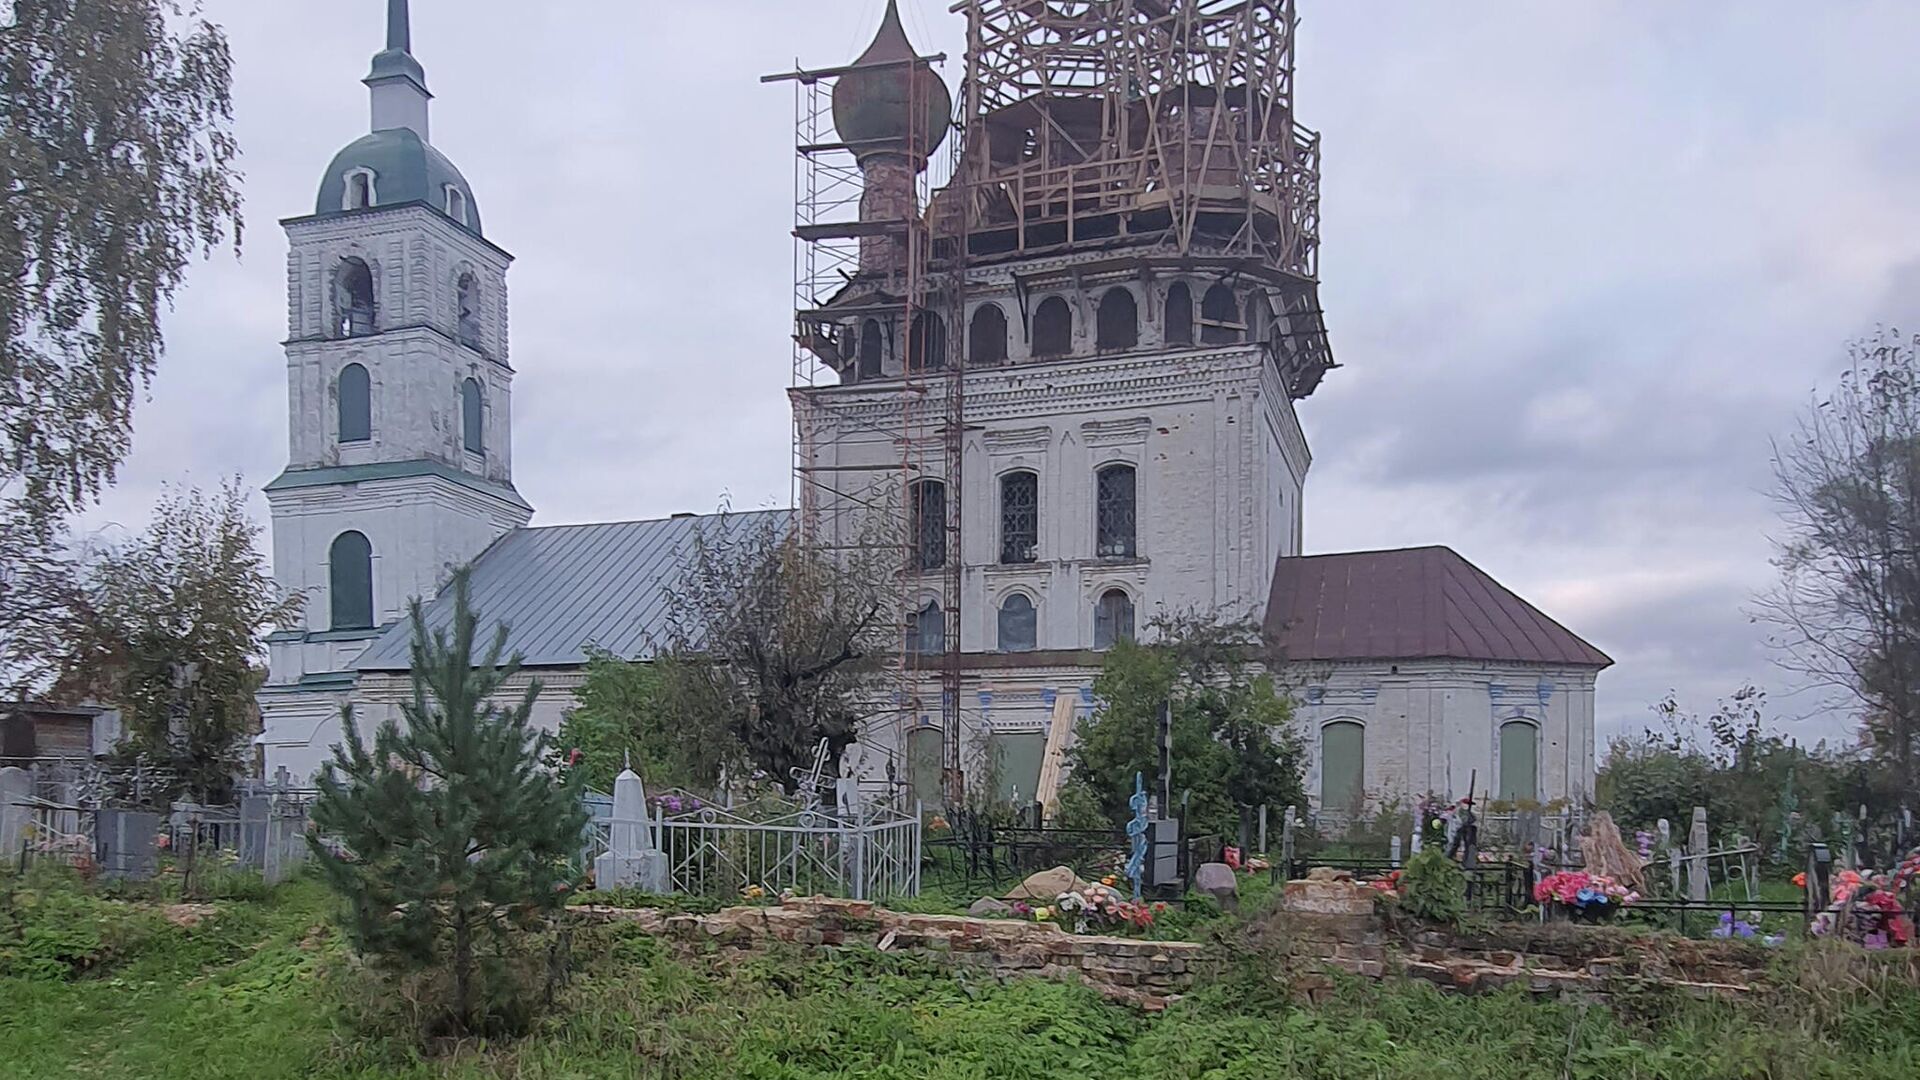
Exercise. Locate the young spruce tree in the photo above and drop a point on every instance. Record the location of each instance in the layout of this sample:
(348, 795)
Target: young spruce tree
(455, 837)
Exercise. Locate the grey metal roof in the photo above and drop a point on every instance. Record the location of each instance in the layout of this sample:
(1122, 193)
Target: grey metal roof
(562, 588)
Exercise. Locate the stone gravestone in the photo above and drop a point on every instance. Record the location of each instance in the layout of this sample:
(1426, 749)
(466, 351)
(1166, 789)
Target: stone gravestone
(256, 812)
(126, 846)
(1218, 881)
(284, 842)
(632, 860)
(1697, 855)
(16, 786)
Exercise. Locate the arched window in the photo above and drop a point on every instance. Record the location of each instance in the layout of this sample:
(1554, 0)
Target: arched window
(987, 336)
(1112, 619)
(472, 417)
(871, 349)
(924, 770)
(1179, 314)
(1118, 326)
(353, 308)
(1343, 767)
(1052, 328)
(456, 204)
(355, 392)
(927, 342)
(1019, 624)
(928, 634)
(359, 194)
(1220, 317)
(1115, 514)
(1259, 318)
(350, 581)
(467, 298)
(929, 540)
(1019, 517)
(1519, 761)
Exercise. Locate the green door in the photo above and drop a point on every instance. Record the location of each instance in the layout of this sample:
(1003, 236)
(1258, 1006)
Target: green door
(923, 767)
(1017, 765)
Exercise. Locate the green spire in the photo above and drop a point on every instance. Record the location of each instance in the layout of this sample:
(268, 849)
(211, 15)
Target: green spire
(399, 27)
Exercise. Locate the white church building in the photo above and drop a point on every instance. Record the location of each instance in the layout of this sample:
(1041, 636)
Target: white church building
(1129, 378)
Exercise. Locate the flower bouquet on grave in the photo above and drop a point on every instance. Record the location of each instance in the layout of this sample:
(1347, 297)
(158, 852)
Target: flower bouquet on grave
(1583, 897)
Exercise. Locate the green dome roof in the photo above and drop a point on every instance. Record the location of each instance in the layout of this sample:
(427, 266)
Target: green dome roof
(405, 169)
(875, 98)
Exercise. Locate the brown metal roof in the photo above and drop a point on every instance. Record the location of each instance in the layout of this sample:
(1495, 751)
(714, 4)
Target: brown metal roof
(1411, 604)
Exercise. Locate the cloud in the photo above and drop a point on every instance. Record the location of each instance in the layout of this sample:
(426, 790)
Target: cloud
(1580, 261)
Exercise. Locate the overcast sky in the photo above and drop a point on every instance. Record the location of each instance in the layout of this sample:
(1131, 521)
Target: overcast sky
(1579, 261)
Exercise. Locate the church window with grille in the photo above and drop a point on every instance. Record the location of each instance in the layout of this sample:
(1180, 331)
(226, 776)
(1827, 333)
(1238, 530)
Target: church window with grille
(872, 345)
(1019, 517)
(1115, 514)
(1052, 328)
(350, 581)
(927, 342)
(1118, 325)
(467, 321)
(1112, 619)
(987, 336)
(1019, 624)
(1179, 315)
(355, 391)
(928, 634)
(472, 417)
(929, 503)
(354, 314)
(1220, 317)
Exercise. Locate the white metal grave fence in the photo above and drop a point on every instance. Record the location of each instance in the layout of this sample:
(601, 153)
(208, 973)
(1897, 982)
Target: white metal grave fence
(717, 852)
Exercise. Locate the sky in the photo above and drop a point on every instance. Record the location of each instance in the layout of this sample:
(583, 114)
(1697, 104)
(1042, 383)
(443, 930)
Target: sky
(1580, 262)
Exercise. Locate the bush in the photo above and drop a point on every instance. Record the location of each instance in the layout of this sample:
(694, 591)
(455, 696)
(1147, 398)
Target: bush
(1434, 888)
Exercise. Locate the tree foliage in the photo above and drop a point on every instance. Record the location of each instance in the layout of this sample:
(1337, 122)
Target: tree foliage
(456, 838)
(775, 643)
(1846, 611)
(169, 627)
(117, 164)
(626, 715)
(1234, 747)
(1754, 782)
(1434, 888)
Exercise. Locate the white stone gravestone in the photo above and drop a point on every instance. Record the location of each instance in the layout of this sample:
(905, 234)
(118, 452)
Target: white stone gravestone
(632, 859)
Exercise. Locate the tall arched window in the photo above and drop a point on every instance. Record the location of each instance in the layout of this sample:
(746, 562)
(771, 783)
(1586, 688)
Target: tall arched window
(928, 634)
(1259, 318)
(1115, 515)
(456, 204)
(1019, 517)
(923, 766)
(1220, 317)
(1112, 619)
(472, 417)
(353, 307)
(872, 346)
(1519, 761)
(1052, 328)
(1118, 325)
(1179, 314)
(467, 298)
(355, 392)
(927, 342)
(1343, 767)
(987, 336)
(1019, 624)
(929, 503)
(350, 581)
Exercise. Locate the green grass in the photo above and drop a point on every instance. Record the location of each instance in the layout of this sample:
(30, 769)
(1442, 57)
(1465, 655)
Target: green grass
(259, 991)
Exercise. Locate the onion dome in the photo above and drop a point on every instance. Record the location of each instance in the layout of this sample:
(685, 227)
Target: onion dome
(875, 101)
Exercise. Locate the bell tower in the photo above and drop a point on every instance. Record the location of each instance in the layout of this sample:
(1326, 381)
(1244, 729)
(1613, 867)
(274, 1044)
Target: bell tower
(399, 388)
